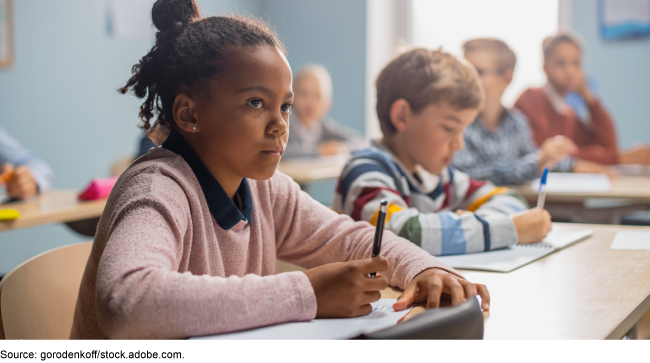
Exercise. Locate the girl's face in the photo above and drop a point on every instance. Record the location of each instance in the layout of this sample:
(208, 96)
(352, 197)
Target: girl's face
(243, 119)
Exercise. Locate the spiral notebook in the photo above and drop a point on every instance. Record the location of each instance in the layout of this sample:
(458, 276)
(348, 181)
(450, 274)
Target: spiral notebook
(514, 257)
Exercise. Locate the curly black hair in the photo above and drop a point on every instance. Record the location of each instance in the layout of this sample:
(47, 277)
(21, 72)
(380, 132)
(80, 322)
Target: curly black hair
(188, 51)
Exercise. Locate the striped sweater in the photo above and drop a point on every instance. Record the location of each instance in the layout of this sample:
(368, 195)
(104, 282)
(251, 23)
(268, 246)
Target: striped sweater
(422, 205)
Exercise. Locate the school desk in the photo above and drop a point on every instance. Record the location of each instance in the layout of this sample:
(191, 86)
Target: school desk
(54, 206)
(629, 193)
(308, 170)
(585, 291)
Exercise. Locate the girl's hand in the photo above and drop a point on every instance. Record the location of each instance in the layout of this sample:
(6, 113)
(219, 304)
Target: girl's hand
(532, 225)
(430, 284)
(20, 181)
(344, 289)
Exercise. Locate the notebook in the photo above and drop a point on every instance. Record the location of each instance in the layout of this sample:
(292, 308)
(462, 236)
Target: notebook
(381, 317)
(574, 183)
(514, 257)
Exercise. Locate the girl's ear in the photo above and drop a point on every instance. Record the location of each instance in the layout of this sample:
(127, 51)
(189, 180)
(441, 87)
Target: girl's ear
(184, 110)
(400, 114)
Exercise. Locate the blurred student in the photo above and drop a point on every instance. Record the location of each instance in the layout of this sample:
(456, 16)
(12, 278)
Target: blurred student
(498, 144)
(549, 114)
(311, 132)
(425, 100)
(188, 242)
(23, 174)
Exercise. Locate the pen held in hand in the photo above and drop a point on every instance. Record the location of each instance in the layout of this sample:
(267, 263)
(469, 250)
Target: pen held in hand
(542, 190)
(379, 230)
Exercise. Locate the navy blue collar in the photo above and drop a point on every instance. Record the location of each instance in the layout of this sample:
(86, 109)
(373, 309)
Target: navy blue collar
(223, 209)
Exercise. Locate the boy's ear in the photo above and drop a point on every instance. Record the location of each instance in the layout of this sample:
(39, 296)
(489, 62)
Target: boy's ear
(184, 109)
(400, 114)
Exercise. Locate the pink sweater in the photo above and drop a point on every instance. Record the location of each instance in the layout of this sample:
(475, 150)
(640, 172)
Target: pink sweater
(161, 267)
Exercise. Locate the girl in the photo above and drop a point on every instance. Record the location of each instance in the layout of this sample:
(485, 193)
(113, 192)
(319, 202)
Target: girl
(188, 241)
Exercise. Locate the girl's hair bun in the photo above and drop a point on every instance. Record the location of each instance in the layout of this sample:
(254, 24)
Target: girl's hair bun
(169, 16)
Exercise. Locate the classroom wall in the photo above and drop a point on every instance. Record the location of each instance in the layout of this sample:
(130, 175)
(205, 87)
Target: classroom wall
(60, 100)
(331, 33)
(622, 71)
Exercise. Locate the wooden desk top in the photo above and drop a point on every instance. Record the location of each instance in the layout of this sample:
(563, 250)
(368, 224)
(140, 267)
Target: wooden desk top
(631, 187)
(585, 291)
(54, 206)
(304, 171)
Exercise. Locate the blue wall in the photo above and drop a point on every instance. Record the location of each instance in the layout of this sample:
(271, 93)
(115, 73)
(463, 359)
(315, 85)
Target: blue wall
(622, 70)
(331, 33)
(60, 100)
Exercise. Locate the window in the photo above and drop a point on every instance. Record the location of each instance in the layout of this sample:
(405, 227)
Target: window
(521, 24)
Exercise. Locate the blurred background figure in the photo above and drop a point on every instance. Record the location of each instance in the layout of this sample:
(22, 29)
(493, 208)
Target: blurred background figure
(550, 115)
(498, 145)
(312, 132)
(23, 174)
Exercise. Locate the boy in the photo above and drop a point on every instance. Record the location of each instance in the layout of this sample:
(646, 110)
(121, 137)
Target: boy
(549, 114)
(425, 100)
(23, 174)
(498, 145)
(312, 133)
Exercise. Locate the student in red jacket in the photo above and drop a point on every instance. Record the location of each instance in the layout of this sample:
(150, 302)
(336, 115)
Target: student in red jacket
(550, 116)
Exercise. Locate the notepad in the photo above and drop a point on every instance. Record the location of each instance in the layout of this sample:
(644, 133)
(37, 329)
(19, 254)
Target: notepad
(574, 183)
(382, 316)
(514, 257)
(631, 240)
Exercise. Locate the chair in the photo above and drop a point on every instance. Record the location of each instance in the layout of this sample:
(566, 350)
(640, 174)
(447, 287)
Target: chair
(38, 298)
(464, 321)
(120, 165)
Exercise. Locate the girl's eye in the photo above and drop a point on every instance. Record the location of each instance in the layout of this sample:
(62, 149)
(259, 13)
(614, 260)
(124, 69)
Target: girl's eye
(286, 108)
(256, 103)
(448, 129)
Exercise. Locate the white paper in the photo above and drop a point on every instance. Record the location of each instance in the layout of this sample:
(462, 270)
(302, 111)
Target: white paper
(574, 183)
(631, 240)
(514, 257)
(382, 316)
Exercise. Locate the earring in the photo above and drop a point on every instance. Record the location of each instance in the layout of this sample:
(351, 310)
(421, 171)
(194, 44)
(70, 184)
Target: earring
(194, 128)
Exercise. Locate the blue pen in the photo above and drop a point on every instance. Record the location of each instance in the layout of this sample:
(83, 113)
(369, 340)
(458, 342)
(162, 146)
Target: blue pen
(542, 190)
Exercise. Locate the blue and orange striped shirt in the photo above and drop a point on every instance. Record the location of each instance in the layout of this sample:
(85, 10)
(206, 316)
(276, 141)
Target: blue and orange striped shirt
(422, 205)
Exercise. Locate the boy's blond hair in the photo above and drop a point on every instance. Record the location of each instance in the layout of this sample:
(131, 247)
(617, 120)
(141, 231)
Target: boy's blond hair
(506, 58)
(423, 77)
(321, 74)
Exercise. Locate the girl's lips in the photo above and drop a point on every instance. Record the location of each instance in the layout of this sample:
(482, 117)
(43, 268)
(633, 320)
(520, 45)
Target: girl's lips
(274, 152)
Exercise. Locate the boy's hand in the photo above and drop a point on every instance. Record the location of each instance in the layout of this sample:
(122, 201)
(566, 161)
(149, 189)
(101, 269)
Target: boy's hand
(333, 147)
(532, 225)
(19, 181)
(430, 284)
(553, 150)
(344, 289)
(584, 166)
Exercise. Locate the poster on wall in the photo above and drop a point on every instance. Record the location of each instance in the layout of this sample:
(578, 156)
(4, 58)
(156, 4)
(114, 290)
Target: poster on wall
(6, 34)
(624, 19)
